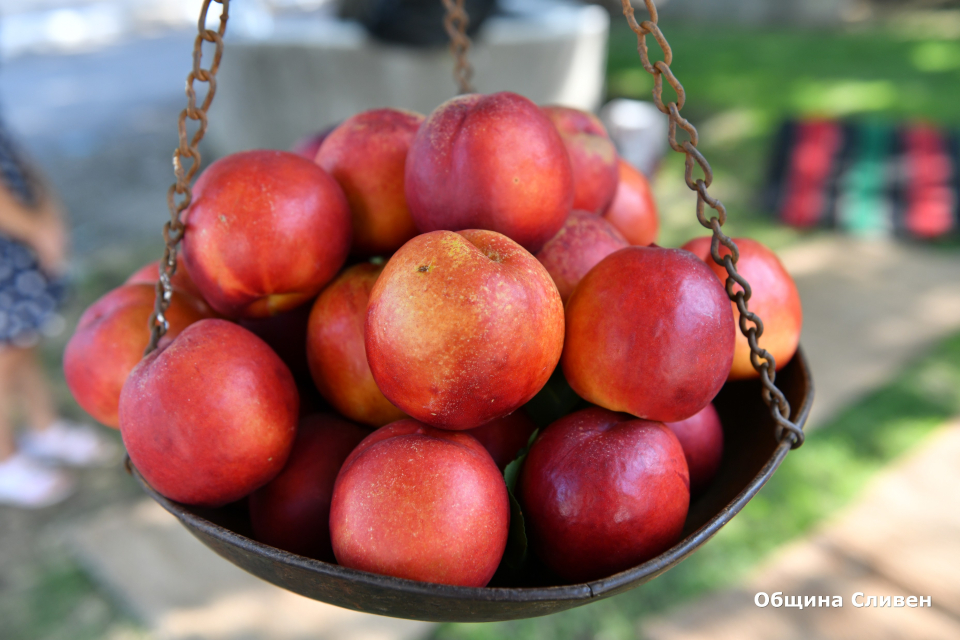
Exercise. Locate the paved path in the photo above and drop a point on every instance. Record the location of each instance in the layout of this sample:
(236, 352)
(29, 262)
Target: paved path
(869, 308)
(902, 538)
(183, 591)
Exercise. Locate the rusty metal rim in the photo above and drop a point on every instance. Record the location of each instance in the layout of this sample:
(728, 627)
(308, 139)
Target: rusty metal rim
(574, 592)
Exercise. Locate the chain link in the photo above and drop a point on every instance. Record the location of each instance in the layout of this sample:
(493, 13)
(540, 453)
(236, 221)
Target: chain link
(750, 324)
(455, 22)
(180, 194)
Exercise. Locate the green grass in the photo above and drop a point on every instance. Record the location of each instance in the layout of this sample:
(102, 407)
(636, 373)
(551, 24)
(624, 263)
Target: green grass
(742, 83)
(825, 474)
(59, 602)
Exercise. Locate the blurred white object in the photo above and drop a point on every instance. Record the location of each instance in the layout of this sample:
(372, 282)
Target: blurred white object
(25, 483)
(640, 132)
(294, 75)
(78, 445)
(62, 29)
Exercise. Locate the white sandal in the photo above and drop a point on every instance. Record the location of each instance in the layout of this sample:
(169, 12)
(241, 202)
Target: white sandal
(26, 483)
(78, 445)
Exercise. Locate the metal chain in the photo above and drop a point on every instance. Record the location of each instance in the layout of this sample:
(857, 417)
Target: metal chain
(750, 324)
(187, 149)
(455, 22)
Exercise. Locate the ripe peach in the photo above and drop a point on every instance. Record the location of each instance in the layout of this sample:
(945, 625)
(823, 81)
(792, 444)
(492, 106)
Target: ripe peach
(292, 511)
(582, 242)
(649, 332)
(150, 273)
(490, 162)
(336, 352)
(774, 298)
(701, 436)
(462, 328)
(210, 417)
(504, 437)
(602, 492)
(633, 210)
(366, 155)
(593, 157)
(265, 232)
(286, 334)
(421, 503)
(110, 339)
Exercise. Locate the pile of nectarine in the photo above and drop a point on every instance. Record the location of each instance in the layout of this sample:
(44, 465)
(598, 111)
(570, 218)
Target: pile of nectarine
(364, 335)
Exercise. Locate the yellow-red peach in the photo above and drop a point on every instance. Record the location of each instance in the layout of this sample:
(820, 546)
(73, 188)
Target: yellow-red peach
(366, 155)
(774, 299)
(421, 503)
(110, 339)
(633, 210)
(336, 352)
(462, 328)
(593, 157)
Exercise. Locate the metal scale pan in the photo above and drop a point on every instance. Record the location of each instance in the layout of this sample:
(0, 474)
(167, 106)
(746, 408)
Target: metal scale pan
(751, 455)
(753, 449)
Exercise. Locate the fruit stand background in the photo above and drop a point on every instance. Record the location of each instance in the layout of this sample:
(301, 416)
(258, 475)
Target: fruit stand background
(100, 119)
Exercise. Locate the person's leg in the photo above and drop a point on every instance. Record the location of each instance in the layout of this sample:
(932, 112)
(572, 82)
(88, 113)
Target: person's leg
(34, 390)
(48, 436)
(8, 358)
(23, 482)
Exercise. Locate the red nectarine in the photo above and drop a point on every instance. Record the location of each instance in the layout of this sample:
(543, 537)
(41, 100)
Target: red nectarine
(292, 511)
(110, 340)
(602, 492)
(649, 332)
(490, 162)
(423, 504)
(211, 416)
(266, 230)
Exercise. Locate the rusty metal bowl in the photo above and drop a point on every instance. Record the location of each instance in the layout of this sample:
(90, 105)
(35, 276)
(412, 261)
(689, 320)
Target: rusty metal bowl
(751, 456)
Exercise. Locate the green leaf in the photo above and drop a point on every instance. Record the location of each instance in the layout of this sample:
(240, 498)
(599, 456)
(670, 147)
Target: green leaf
(555, 400)
(515, 555)
(512, 471)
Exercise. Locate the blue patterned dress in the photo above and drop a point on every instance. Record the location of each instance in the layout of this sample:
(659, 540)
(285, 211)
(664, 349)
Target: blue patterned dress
(29, 298)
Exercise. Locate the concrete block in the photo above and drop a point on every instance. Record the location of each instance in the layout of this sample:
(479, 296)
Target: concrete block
(183, 591)
(295, 79)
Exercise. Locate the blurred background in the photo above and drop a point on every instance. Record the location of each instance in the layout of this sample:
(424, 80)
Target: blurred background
(858, 97)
